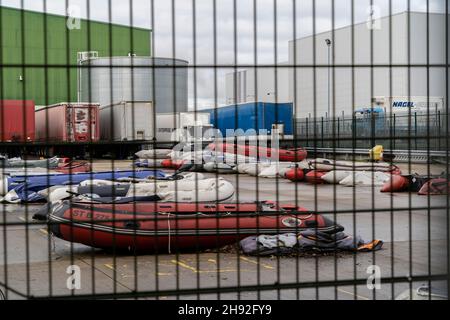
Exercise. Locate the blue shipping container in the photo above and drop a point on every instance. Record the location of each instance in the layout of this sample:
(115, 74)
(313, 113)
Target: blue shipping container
(255, 115)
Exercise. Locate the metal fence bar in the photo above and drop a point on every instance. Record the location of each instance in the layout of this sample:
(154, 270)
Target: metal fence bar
(318, 86)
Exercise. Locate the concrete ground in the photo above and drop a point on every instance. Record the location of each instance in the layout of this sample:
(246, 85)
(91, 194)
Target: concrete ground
(414, 229)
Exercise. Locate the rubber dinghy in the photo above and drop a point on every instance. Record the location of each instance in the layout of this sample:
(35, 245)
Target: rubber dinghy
(293, 155)
(153, 154)
(51, 163)
(164, 227)
(366, 178)
(25, 188)
(207, 190)
(329, 165)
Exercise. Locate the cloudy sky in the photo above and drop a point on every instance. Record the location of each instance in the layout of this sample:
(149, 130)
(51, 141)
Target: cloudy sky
(235, 21)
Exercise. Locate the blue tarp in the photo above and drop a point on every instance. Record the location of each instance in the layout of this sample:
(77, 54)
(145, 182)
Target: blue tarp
(27, 187)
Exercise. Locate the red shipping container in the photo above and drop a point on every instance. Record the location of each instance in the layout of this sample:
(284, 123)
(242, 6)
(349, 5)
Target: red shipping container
(68, 122)
(17, 120)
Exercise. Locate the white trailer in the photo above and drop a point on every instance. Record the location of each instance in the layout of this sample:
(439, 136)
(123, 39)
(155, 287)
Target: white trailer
(417, 104)
(182, 126)
(127, 121)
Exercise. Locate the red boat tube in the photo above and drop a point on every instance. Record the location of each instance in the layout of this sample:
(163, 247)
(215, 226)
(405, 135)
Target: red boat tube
(293, 155)
(295, 175)
(176, 226)
(315, 177)
(396, 183)
(172, 164)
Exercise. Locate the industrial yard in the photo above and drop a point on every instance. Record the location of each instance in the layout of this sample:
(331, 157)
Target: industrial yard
(190, 152)
(408, 234)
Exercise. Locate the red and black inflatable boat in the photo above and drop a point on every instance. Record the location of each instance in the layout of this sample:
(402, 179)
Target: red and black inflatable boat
(154, 226)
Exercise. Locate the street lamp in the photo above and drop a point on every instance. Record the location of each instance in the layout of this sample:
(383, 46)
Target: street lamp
(328, 42)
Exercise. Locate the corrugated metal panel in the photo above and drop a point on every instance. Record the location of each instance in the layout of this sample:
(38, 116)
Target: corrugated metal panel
(252, 116)
(62, 47)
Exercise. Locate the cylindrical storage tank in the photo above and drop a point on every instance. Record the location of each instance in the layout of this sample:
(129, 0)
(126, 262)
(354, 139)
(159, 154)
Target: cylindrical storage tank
(111, 80)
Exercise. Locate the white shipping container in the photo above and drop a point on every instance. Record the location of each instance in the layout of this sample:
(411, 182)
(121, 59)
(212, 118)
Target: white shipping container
(127, 121)
(419, 104)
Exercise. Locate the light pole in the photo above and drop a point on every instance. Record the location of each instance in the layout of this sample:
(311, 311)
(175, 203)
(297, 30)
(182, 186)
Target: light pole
(328, 42)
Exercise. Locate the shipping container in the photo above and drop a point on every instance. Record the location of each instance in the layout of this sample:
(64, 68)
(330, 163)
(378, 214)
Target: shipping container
(68, 122)
(127, 121)
(405, 104)
(182, 126)
(254, 118)
(17, 120)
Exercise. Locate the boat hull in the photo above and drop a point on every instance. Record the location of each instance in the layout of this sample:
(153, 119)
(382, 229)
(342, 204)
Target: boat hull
(176, 226)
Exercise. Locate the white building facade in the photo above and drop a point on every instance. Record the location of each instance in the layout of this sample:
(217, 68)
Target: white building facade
(360, 56)
(401, 40)
(258, 84)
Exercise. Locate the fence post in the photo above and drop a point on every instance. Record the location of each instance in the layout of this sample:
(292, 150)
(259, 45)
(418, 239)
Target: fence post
(338, 131)
(394, 126)
(415, 130)
(321, 120)
(439, 129)
(307, 132)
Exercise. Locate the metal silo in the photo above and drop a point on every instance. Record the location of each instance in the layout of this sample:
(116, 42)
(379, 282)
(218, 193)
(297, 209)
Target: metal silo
(107, 81)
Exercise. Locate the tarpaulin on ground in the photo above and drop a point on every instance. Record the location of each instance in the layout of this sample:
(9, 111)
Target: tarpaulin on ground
(309, 240)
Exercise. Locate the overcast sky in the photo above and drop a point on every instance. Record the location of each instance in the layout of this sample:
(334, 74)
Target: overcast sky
(232, 17)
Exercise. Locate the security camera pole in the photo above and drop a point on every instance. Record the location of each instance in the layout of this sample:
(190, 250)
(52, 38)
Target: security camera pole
(328, 42)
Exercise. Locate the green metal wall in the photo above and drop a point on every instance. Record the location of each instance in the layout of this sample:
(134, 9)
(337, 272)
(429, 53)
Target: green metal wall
(44, 51)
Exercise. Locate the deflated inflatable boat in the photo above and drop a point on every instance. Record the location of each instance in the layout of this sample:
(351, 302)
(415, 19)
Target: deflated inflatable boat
(26, 188)
(329, 165)
(207, 190)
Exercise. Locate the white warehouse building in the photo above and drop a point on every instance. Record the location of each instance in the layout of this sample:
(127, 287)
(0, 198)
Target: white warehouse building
(258, 84)
(361, 86)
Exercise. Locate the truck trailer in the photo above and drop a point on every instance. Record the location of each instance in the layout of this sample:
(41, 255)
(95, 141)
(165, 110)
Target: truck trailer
(17, 122)
(405, 104)
(68, 122)
(127, 121)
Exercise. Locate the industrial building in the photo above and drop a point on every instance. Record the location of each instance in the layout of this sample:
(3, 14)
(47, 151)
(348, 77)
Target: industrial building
(399, 40)
(258, 84)
(39, 52)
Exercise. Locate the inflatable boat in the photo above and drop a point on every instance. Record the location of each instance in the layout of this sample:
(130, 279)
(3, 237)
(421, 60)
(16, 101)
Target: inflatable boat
(51, 163)
(153, 154)
(293, 155)
(440, 186)
(396, 183)
(295, 174)
(207, 190)
(329, 165)
(149, 163)
(223, 168)
(74, 167)
(26, 188)
(366, 178)
(176, 226)
(434, 184)
(336, 176)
